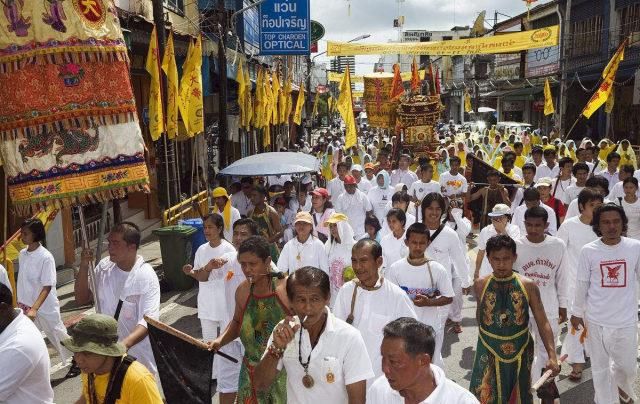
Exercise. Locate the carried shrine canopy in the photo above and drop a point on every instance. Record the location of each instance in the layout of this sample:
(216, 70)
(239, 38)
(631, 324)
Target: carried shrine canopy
(503, 43)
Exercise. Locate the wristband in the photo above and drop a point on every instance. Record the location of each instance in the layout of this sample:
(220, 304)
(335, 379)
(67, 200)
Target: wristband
(275, 351)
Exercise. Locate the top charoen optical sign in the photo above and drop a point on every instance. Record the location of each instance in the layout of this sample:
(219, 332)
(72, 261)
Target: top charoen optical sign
(285, 27)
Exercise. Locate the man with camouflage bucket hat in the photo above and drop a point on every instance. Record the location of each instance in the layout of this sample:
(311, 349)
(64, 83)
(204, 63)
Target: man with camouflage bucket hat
(109, 375)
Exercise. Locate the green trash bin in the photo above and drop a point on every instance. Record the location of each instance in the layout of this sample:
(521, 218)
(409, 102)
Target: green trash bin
(175, 248)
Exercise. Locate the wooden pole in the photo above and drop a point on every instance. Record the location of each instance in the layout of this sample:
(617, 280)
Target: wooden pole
(572, 127)
(101, 228)
(92, 276)
(185, 337)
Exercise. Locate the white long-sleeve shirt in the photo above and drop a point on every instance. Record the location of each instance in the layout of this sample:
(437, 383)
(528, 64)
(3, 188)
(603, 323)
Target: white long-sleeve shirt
(518, 219)
(607, 287)
(296, 255)
(446, 250)
(545, 264)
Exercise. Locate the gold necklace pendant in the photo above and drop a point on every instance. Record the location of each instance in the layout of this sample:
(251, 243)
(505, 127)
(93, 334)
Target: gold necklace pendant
(307, 381)
(298, 257)
(330, 377)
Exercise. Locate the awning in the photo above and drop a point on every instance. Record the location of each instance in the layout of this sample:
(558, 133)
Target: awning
(494, 93)
(523, 94)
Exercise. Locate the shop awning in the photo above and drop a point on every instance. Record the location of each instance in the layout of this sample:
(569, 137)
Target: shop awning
(523, 94)
(494, 93)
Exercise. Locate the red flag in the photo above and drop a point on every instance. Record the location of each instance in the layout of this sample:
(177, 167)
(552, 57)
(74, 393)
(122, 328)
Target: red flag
(415, 76)
(397, 89)
(438, 89)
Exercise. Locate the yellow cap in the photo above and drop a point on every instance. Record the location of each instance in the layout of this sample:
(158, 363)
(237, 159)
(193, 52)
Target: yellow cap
(219, 192)
(336, 217)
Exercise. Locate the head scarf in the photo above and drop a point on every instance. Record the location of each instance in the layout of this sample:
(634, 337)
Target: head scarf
(385, 175)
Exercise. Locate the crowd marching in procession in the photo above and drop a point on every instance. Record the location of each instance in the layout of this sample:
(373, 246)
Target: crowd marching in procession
(339, 286)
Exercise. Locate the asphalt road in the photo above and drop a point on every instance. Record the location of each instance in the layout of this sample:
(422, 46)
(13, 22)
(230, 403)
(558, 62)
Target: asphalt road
(179, 310)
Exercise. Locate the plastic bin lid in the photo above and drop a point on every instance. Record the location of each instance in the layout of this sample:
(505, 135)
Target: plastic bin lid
(175, 230)
(191, 222)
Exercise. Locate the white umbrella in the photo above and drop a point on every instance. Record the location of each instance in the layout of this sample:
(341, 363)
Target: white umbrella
(275, 163)
(486, 109)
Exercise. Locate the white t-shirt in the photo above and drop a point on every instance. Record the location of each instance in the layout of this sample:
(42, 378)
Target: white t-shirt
(575, 235)
(518, 197)
(228, 230)
(518, 219)
(421, 189)
(355, 207)
(415, 280)
(572, 192)
(393, 249)
(618, 192)
(486, 233)
(543, 171)
(278, 179)
(241, 202)
(25, 362)
(446, 250)
(232, 276)
(574, 210)
(4, 278)
(37, 269)
(294, 205)
(335, 187)
(139, 290)
(545, 264)
(296, 255)
(379, 199)
(632, 211)
(407, 177)
(364, 185)
(561, 190)
(446, 391)
(373, 310)
(453, 184)
(340, 352)
(212, 304)
(612, 274)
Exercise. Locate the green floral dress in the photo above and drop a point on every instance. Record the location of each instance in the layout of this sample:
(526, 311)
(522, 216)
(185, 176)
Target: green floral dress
(261, 315)
(266, 230)
(502, 365)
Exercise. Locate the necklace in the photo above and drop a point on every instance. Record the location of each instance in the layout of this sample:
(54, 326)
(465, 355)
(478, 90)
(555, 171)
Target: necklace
(307, 380)
(300, 250)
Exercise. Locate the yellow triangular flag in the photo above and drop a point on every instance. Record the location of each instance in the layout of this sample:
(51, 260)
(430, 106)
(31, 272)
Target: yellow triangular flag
(548, 99)
(297, 116)
(191, 101)
(315, 104)
(275, 83)
(478, 25)
(171, 70)
(467, 103)
(156, 114)
(608, 75)
(345, 106)
(242, 91)
(259, 104)
(268, 101)
(608, 107)
(266, 136)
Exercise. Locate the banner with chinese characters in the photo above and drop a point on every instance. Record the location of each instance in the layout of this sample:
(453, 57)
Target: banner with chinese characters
(507, 43)
(381, 111)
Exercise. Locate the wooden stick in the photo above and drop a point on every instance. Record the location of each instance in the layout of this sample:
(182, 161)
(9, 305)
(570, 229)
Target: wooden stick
(545, 376)
(92, 273)
(185, 337)
(571, 130)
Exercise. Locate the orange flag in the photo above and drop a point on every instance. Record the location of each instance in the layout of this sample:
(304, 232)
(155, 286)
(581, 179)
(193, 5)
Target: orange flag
(415, 76)
(397, 89)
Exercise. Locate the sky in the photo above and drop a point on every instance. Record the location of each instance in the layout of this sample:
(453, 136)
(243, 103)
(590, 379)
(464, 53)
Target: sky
(375, 17)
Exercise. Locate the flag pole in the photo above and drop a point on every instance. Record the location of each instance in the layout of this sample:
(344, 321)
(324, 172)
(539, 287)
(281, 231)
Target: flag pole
(572, 127)
(92, 273)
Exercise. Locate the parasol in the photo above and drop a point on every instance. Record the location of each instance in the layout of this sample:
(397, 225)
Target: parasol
(275, 163)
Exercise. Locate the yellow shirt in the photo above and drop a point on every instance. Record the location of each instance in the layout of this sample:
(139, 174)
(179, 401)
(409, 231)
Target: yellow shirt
(138, 387)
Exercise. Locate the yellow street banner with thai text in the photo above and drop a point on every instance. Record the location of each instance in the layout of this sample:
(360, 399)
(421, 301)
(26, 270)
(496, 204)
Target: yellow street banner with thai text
(506, 43)
(337, 77)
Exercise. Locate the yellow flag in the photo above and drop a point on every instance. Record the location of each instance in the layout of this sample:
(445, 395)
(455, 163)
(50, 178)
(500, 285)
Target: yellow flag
(171, 70)
(257, 111)
(548, 99)
(268, 102)
(467, 103)
(608, 107)
(345, 106)
(156, 115)
(266, 136)
(275, 83)
(248, 101)
(297, 116)
(191, 103)
(289, 103)
(608, 76)
(282, 102)
(315, 104)
(242, 91)
(478, 26)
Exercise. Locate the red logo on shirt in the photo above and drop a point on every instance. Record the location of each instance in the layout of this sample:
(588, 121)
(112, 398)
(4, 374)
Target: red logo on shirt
(614, 274)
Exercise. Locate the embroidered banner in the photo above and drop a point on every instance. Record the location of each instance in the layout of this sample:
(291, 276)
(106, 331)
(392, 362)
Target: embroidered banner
(75, 166)
(381, 111)
(506, 43)
(57, 31)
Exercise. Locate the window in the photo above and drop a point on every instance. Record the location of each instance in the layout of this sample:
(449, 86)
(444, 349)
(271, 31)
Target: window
(629, 20)
(174, 5)
(586, 37)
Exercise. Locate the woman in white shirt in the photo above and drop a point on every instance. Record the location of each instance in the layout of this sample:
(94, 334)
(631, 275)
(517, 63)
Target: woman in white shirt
(212, 305)
(380, 195)
(36, 288)
(338, 249)
(321, 209)
(631, 205)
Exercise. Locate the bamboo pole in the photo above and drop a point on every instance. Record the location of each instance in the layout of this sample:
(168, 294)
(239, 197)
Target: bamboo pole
(92, 275)
(185, 337)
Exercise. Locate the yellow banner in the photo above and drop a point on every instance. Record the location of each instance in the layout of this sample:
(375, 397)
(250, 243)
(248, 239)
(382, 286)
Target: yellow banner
(507, 43)
(337, 77)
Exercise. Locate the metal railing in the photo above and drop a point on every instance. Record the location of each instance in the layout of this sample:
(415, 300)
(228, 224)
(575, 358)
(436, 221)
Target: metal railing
(191, 208)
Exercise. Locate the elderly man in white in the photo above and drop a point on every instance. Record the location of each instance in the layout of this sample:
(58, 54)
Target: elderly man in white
(304, 249)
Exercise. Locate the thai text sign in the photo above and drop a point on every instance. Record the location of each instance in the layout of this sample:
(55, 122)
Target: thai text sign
(285, 27)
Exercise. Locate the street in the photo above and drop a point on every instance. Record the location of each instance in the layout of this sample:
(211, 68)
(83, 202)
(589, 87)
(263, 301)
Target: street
(178, 309)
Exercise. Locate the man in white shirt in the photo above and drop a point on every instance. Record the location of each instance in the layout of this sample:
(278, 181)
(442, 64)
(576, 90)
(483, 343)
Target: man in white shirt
(541, 258)
(426, 282)
(548, 169)
(611, 173)
(24, 357)
(580, 172)
(409, 373)
(336, 185)
(454, 184)
(355, 205)
(304, 249)
(500, 224)
(403, 175)
(425, 185)
(577, 232)
(127, 289)
(606, 304)
(563, 181)
(531, 198)
(325, 358)
(363, 184)
(597, 182)
(369, 302)
(370, 173)
(241, 200)
(528, 175)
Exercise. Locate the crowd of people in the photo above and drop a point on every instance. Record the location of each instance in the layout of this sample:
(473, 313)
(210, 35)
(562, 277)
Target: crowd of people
(340, 286)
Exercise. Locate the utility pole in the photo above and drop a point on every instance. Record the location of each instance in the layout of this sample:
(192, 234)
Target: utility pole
(309, 109)
(564, 56)
(223, 131)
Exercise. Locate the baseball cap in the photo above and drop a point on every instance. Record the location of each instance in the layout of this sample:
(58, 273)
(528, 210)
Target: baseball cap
(499, 209)
(356, 167)
(544, 182)
(349, 180)
(304, 217)
(320, 192)
(369, 166)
